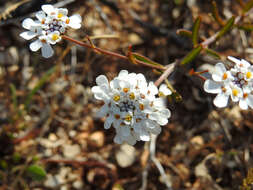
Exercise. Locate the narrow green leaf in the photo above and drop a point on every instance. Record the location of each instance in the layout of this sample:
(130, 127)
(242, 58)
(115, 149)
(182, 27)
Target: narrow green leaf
(40, 83)
(145, 59)
(248, 6)
(190, 56)
(226, 28)
(195, 31)
(216, 15)
(246, 27)
(36, 172)
(183, 32)
(212, 53)
(14, 96)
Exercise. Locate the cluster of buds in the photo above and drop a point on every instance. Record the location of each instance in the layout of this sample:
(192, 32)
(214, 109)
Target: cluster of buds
(132, 106)
(233, 80)
(51, 24)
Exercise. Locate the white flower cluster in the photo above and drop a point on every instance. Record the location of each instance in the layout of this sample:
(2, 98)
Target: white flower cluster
(51, 23)
(131, 106)
(233, 80)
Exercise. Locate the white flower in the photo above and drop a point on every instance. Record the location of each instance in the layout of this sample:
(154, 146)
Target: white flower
(51, 24)
(235, 82)
(131, 106)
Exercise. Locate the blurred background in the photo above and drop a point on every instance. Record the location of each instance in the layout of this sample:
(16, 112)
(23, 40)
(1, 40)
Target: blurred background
(50, 137)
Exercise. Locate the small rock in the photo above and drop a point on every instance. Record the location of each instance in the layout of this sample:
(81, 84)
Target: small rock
(125, 156)
(197, 142)
(97, 139)
(78, 184)
(71, 151)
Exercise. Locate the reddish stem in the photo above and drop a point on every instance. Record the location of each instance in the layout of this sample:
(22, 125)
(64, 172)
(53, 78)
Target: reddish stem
(110, 53)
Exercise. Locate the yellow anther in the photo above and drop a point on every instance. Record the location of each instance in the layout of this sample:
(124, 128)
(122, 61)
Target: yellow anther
(141, 106)
(117, 116)
(225, 76)
(60, 15)
(235, 92)
(43, 21)
(67, 21)
(55, 37)
(245, 95)
(125, 90)
(248, 75)
(128, 117)
(43, 41)
(116, 98)
(138, 120)
(160, 94)
(142, 96)
(132, 96)
(223, 89)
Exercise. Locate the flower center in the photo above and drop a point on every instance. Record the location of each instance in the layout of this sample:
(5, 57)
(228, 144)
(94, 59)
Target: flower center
(225, 76)
(60, 15)
(116, 98)
(235, 92)
(55, 37)
(132, 96)
(128, 118)
(245, 95)
(248, 75)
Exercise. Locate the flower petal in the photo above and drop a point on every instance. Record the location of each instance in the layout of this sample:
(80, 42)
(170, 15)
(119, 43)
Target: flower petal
(212, 87)
(40, 15)
(108, 122)
(27, 23)
(46, 50)
(221, 100)
(101, 80)
(36, 45)
(75, 21)
(243, 104)
(27, 35)
(48, 9)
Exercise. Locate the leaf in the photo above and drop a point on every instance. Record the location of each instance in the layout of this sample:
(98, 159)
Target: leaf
(14, 96)
(246, 27)
(36, 172)
(190, 56)
(39, 84)
(226, 28)
(145, 59)
(248, 6)
(184, 32)
(212, 53)
(216, 15)
(195, 31)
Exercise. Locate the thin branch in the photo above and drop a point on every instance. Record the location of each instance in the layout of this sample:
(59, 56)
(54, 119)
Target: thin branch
(166, 73)
(110, 53)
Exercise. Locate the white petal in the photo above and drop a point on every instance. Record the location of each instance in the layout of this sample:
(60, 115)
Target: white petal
(233, 59)
(48, 9)
(221, 100)
(36, 45)
(212, 87)
(131, 140)
(124, 131)
(27, 23)
(103, 111)
(28, 35)
(63, 11)
(108, 122)
(165, 90)
(75, 21)
(99, 93)
(250, 101)
(101, 80)
(144, 136)
(40, 15)
(165, 113)
(220, 68)
(123, 74)
(46, 50)
(243, 104)
(117, 139)
(152, 88)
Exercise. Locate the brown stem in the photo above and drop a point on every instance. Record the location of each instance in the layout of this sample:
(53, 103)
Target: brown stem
(106, 52)
(166, 73)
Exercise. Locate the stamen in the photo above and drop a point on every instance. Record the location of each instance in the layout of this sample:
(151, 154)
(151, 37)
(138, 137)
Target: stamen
(116, 98)
(128, 118)
(132, 96)
(125, 90)
(225, 76)
(117, 116)
(245, 95)
(141, 106)
(55, 37)
(67, 21)
(235, 92)
(60, 15)
(248, 75)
